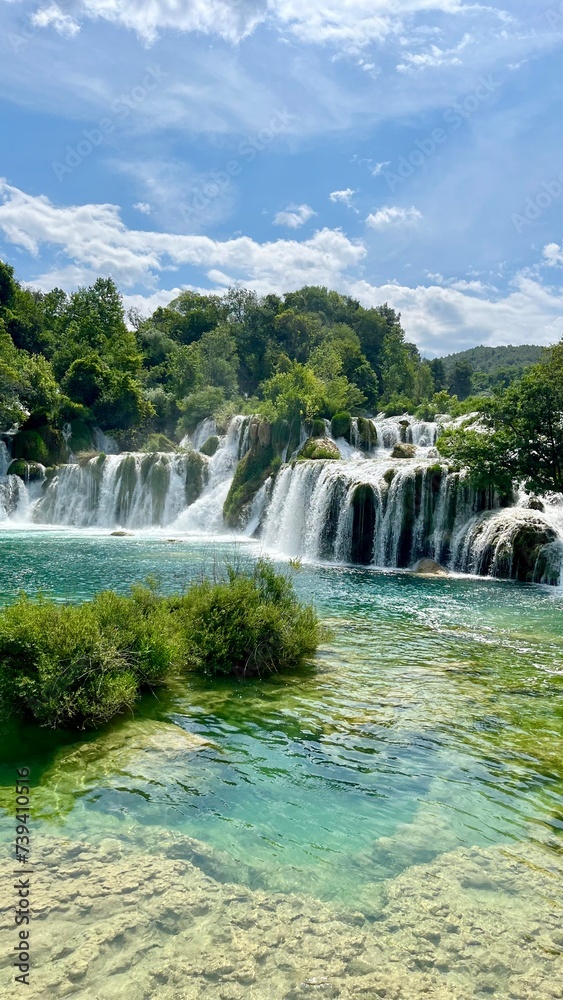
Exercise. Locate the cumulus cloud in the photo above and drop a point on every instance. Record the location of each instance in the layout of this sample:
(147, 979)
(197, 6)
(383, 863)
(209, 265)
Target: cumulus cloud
(294, 216)
(90, 240)
(442, 320)
(393, 215)
(143, 206)
(95, 237)
(553, 254)
(344, 196)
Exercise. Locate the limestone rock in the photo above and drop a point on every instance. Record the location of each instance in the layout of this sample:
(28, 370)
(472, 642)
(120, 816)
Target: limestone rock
(319, 448)
(402, 450)
(428, 567)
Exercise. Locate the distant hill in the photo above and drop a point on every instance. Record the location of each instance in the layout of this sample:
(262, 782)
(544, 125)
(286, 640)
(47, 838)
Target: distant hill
(492, 359)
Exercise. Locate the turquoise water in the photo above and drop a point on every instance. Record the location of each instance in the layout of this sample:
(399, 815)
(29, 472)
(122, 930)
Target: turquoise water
(431, 721)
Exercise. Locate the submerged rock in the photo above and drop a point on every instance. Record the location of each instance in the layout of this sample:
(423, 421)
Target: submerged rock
(121, 534)
(429, 567)
(151, 914)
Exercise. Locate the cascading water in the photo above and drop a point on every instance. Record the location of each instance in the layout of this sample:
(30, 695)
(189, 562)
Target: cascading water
(388, 502)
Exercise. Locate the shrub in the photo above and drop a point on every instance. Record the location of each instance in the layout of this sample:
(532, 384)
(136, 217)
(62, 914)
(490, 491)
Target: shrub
(340, 425)
(250, 625)
(80, 665)
(30, 446)
(318, 429)
(158, 442)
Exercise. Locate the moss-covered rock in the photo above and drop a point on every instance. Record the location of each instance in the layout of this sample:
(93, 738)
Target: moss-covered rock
(363, 525)
(196, 476)
(251, 474)
(28, 471)
(367, 434)
(210, 446)
(159, 442)
(340, 425)
(389, 476)
(30, 446)
(80, 439)
(319, 448)
(402, 450)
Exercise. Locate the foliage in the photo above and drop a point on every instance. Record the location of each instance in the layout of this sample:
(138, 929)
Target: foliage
(340, 425)
(199, 405)
(250, 625)
(81, 665)
(307, 355)
(520, 436)
(319, 448)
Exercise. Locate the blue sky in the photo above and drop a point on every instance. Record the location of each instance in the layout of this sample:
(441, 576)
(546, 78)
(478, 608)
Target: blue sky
(407, 151)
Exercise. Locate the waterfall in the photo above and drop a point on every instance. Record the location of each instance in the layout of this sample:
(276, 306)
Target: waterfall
(369, 511)
(374, 506)
(205, 515)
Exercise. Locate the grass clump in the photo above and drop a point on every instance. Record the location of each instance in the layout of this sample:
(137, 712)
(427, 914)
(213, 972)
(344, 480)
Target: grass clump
(80, 665)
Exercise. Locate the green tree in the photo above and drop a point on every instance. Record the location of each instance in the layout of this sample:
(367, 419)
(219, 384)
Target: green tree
(461, 383)
(521, 431)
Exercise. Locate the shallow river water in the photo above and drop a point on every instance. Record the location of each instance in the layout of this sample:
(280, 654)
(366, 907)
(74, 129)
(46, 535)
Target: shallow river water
(387, 824)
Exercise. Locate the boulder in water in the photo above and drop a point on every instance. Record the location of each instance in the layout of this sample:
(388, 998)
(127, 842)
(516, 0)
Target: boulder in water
(210, 446)
(403, 450)
(429, 567)
(121, 534)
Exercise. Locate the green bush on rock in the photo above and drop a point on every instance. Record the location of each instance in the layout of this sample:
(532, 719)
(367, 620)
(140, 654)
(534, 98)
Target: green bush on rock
(319, 448)
(79, 665)
(340, 425)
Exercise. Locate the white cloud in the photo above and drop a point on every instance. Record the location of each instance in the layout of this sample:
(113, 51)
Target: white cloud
(294, 216)
(553, 254)
(443, 320)
(434, 58)
(53, 17)
(380, 167)
(393, 215)
(143, 206)
(344, 196)
(94, 237)
(90, 240)
(345, 24)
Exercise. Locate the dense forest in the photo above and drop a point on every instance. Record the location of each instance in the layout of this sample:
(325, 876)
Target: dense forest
(69, 363)
(488, 368)
(313, 353)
